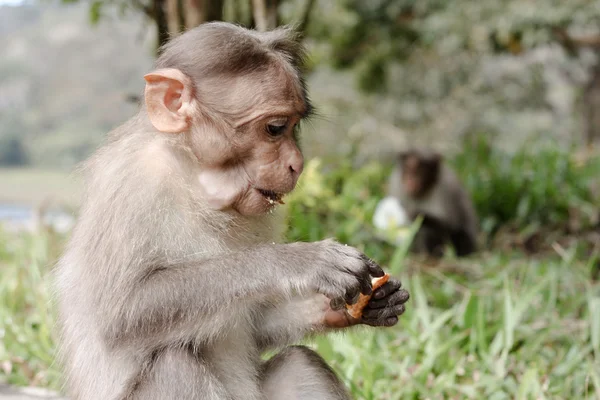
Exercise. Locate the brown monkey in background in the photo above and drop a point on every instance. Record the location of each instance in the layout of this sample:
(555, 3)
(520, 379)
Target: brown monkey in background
(173, 283)
(426, 186)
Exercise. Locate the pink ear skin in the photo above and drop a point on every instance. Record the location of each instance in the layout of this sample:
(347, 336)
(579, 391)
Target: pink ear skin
(168, 98)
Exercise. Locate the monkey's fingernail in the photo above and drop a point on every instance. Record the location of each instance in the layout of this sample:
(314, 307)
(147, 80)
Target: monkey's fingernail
(379, 294)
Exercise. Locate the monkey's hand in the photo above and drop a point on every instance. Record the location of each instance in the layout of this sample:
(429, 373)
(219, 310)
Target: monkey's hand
(386, 305)
(383, 309)
(339, 271)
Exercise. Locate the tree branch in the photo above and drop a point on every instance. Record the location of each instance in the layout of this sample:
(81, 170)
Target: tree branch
(265, 14)
(306, 16)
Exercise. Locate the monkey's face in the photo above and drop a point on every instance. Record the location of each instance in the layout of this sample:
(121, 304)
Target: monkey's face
(264, 166)
(273, 166)
(244, 141)
(419, 173)
(258, 141)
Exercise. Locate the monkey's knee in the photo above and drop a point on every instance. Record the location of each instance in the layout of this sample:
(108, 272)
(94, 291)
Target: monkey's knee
(297, 372)
(430, 242)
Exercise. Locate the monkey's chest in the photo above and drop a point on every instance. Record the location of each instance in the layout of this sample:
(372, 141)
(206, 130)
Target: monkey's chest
(434, 206)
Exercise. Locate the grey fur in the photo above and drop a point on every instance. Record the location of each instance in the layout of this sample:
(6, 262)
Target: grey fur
(161, 297)
(448, 202)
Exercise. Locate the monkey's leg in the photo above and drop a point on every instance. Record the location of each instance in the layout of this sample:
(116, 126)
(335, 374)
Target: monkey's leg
(463, 242)
(429, 241)
(299, 373)
(176, 374)
(432, 236)
(434, 242)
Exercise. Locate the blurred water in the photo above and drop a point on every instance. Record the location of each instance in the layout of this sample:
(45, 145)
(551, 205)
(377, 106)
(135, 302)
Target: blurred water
(18, 217)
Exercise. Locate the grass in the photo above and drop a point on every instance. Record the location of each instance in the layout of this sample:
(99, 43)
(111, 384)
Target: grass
(500, 325)
(26, 315)
(540, 185)
(496, 327)
(519, 330)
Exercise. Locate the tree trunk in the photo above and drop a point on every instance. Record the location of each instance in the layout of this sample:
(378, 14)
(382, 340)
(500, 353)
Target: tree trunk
(591, 104)
(265, 14)
(200, 11)
(175, 17)
(252, 22)
(162, 26)
(236, 12)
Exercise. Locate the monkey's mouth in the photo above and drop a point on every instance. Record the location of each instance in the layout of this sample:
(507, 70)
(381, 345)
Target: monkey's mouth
(271, 196)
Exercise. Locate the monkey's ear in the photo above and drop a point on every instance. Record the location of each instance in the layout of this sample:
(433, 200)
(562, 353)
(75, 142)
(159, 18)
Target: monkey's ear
(168, 97)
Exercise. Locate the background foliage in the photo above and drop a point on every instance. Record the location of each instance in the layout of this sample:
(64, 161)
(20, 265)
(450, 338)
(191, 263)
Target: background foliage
(397, 72)
(508, 90)
(501, 326)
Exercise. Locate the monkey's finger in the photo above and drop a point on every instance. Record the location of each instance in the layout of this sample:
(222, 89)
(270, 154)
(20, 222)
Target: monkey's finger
(352, 295)
(364, 281)
(391, 321)
(337, 304)
(374, 268)
(390, 287)
(399, 297)
(365, 285)
(383, 313)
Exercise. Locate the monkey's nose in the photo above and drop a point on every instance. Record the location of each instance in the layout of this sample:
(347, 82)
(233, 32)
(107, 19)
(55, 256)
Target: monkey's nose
(296, 167)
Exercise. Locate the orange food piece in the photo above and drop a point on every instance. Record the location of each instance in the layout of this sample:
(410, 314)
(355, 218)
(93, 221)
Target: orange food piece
(355, 310)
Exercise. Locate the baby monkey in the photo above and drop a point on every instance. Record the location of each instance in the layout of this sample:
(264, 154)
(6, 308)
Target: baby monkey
(427, 187)
(174, 281)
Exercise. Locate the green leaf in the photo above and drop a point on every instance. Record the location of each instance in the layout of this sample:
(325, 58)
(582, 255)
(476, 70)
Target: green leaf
(470, 316)
(594, 315)
(95, 11)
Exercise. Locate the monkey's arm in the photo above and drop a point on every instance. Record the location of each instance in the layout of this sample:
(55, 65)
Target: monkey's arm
(174, 302)
(302, 316)
(278, 326)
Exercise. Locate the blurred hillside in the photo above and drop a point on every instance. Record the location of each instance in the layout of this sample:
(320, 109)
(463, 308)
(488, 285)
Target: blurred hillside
(63, 82)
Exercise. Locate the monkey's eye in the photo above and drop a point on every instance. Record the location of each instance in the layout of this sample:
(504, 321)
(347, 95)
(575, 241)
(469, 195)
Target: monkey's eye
(277, 128)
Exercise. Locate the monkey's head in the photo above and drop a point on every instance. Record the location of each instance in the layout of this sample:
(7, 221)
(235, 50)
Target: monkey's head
(236, 98)
(420, 171)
